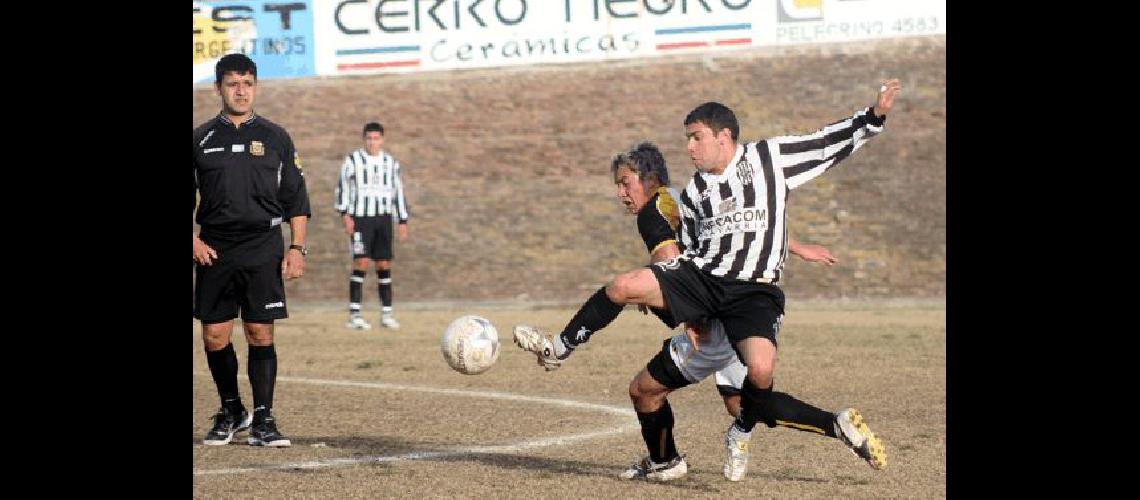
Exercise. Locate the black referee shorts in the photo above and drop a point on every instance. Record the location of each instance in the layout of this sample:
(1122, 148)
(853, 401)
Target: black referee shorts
(372, 237)
(245, 279)
(747, 309)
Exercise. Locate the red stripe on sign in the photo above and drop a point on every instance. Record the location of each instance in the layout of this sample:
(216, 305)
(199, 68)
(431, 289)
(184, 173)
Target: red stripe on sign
(734, 41)
(681, 45)
(377, 64)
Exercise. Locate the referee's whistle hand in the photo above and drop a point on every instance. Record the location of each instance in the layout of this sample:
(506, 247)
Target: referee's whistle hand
(293, 266)
(203, 254)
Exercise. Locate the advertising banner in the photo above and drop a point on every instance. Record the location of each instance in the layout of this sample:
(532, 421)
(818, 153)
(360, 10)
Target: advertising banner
(277, 35)
(340, 37)
(369, 36)
(810, 21)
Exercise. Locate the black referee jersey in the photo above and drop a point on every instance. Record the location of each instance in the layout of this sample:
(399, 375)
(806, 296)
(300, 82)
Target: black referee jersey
(249, 177)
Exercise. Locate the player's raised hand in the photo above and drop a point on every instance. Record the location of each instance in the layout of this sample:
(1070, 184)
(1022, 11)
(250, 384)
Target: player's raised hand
(887, 94)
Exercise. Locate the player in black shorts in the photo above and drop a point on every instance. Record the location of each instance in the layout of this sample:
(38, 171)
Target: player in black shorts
(733, 214)
(247, 181)
(369, 195)
(702, 349)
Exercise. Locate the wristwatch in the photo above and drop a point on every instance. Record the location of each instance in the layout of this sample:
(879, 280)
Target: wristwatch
(302, 248)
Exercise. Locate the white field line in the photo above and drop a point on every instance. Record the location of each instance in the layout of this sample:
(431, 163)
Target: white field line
(503, 448)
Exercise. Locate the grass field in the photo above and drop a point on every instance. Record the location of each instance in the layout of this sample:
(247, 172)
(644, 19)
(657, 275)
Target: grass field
(379, 414)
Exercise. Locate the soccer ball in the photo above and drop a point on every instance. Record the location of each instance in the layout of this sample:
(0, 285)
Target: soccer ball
(470, 345)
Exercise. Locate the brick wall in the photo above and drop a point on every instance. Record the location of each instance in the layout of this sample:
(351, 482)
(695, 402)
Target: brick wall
(507, 170)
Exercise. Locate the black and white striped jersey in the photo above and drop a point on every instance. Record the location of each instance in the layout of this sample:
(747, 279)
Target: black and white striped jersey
(371, 186)
(734, 224)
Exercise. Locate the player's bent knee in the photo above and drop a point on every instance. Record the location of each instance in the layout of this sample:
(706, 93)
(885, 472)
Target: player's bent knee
(615, 293)
(634, 391)
(760, 376)
(618, 290)
(646, 396)
(646, 402)
(627, 287)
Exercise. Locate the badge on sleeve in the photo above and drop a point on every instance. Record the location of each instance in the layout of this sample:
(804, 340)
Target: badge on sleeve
(256, 148)
(297, 161)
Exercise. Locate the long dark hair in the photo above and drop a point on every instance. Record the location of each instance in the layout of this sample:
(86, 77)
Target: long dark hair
(646, 160)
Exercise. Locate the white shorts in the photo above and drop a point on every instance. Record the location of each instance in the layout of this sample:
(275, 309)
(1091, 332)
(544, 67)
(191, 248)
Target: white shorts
(715, 355)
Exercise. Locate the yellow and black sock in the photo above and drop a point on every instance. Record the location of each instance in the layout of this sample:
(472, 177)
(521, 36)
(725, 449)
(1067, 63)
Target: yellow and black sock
(778, 408)
(795, 414)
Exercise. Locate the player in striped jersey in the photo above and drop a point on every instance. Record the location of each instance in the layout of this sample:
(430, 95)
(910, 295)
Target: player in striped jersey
(686, 358)
(369, 194)
(733, 215)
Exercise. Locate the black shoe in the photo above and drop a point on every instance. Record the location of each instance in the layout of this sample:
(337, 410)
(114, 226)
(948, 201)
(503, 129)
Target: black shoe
(264, 431)
(226, 422)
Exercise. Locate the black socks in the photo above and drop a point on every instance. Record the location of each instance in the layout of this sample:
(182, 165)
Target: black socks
(355, 290)
(262, 372)
(224, 367)
(594, 315)
(385, 288)
(778, 408)
(657, 431)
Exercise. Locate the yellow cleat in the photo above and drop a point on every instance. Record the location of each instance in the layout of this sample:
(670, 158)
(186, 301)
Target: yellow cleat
(864, 444)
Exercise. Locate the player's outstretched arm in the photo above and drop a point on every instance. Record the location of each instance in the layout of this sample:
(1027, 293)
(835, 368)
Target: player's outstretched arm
(805, 157)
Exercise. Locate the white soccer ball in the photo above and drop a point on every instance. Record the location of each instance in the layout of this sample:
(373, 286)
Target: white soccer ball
(470, 345)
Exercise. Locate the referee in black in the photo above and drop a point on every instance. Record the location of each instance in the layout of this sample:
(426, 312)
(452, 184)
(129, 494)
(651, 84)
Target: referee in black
(247, 181)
